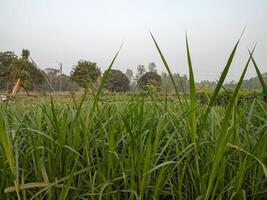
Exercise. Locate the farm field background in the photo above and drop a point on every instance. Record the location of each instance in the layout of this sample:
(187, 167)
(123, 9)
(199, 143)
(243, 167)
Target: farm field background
(209, 144)
(92, 127)
(137, 146)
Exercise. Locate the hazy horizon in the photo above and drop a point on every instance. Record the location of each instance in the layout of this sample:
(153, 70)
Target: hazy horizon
(67, 31)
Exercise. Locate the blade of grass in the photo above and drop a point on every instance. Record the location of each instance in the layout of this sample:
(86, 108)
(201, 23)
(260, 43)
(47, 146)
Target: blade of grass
(253, 156)
(220, 83)
(224, 133)
(264, 87)
(67, 183)
(168, 69)
(192, 105)
(7, 146)
(105, 77)
(192, 95)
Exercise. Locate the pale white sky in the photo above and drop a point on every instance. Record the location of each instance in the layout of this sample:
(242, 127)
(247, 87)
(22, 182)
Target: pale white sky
(68, 30)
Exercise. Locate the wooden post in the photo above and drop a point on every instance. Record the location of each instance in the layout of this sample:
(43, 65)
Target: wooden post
(15, 88)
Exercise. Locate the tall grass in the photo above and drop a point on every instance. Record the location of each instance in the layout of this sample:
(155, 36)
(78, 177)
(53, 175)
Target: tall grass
(134, 147)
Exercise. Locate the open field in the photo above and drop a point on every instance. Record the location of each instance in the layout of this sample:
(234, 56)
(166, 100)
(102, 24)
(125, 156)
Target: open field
(139, 148)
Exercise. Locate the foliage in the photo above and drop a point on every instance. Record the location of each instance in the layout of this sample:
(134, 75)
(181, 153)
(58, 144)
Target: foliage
(13, 68)
(25, 70)
(117, 81)
(222, 99)
(260, 76)
(251, 83)
(140, 71)
(54, 77)
(149, 78)
(1, 83)
(136, 146)
(129, 144)
(85, 72)
(25, 54)
(181, 82)
(6, 59)
(152, 67)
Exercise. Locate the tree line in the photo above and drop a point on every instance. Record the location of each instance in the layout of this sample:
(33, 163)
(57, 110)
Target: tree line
(86, 73)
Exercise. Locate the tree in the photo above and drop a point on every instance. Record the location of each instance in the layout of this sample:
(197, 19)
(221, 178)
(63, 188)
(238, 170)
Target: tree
(117, 81)
(6, 59)
(150, 78)
(181, 82)
(140, 71)
(207, 83)
(13, 68)
(53, 75)
(25, 70)
(152, 67)
(129, 74)
(25, 54)
(85, 72)
(251, 83)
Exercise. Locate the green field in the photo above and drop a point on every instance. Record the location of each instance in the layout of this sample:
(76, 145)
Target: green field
(138, 146)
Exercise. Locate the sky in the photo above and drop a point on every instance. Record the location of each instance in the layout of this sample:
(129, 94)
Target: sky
(70, 30)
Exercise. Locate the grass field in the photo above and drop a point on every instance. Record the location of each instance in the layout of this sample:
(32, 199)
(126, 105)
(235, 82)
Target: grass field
(139, 148)
(135, 147)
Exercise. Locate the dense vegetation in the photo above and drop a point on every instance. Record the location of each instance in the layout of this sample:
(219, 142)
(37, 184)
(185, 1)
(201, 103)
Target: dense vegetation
(84, 72)
(132, 147)
(12, 68)
(140, 146)
(117, 81)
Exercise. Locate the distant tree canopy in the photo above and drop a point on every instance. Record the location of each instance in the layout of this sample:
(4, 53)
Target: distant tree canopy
(54, 77)
(117, 81)
(152, 67)
(25, 70)
(13, 68)
(129, 74)
(25, 54)
(85, 72)
(149, 78)
(251, 83)
(6, 59)
(207, 83)
(140, 71)
(181, 82)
